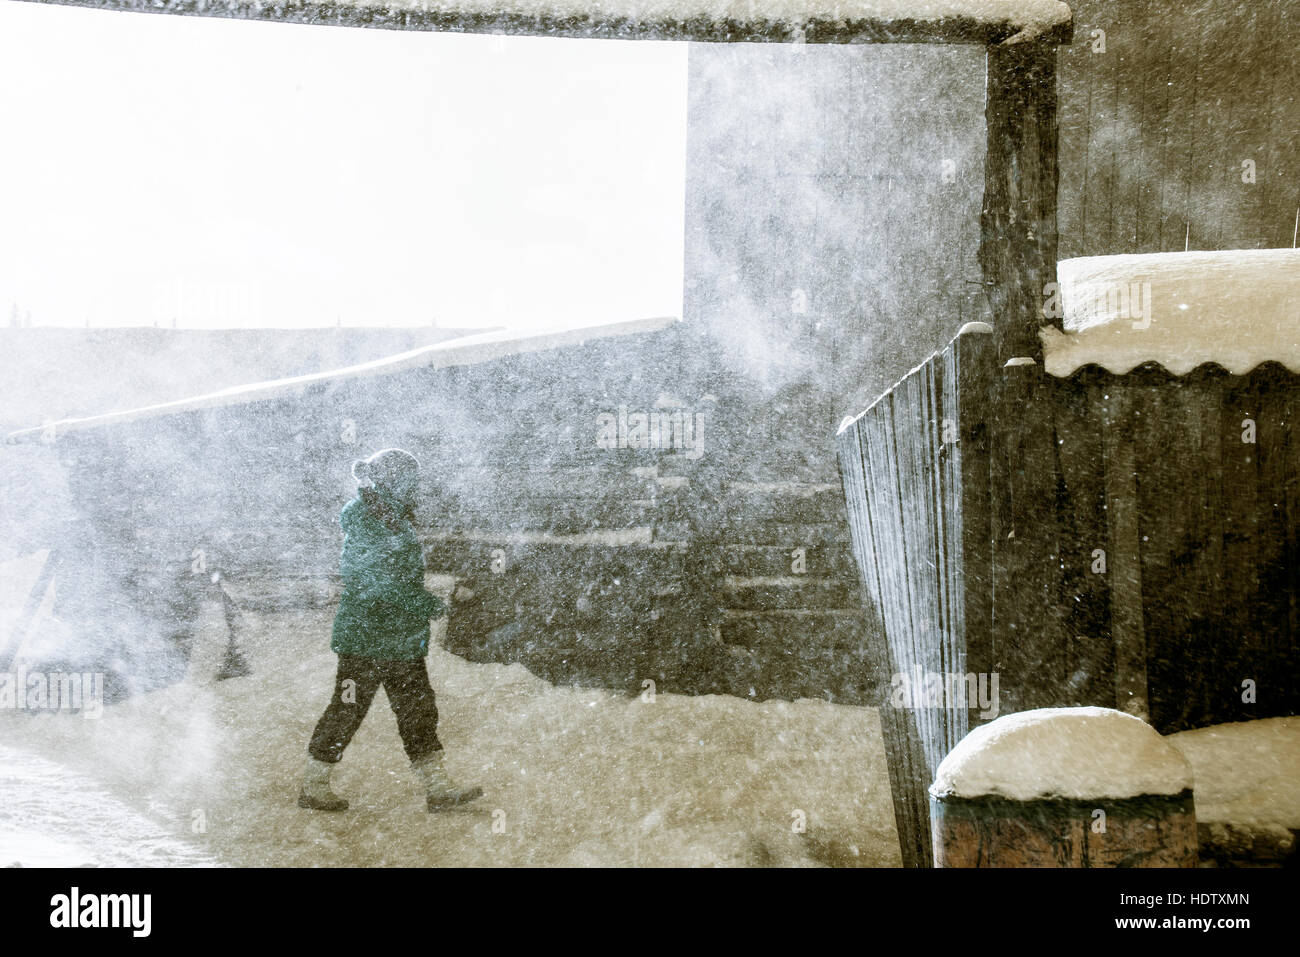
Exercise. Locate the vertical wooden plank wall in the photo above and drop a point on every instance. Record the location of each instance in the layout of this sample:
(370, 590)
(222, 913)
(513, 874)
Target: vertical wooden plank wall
(1128, 541)
(916, 477)
(1084, 540)
(1157, 119)
(1145, 542)
(1119, 465)
(1029, 643)
(1216, 523)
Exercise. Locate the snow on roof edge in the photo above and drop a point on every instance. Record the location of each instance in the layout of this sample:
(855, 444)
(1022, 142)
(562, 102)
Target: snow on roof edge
(967, 329)
(1235, 308)
(711, 21)
(467, 350)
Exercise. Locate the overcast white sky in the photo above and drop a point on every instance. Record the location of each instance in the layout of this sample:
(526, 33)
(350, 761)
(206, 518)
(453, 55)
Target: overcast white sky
(231, 173)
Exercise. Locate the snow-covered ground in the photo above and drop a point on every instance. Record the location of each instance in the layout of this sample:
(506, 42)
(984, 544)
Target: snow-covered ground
(572, 776)
(206, 772)
(1247, 787)
(53, 816)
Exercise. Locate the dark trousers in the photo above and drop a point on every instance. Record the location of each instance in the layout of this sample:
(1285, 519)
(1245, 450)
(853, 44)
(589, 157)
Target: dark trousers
(407, 685)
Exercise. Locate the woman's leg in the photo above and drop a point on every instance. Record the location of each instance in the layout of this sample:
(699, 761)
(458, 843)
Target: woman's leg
(407, 685)
(355, 685)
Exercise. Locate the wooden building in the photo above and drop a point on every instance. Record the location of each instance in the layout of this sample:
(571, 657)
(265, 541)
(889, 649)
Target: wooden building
(859, 189)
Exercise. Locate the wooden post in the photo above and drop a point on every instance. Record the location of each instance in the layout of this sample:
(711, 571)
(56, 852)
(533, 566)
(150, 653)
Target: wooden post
(10, 649)
(1064, 787)
(1017, 252)
(1147, 831)
(1030, 642)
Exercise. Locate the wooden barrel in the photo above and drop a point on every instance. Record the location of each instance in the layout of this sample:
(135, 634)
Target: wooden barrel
(1064, 787)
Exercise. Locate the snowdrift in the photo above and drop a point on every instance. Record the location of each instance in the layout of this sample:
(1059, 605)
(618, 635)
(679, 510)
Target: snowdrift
(572, 777)
(1247, 788)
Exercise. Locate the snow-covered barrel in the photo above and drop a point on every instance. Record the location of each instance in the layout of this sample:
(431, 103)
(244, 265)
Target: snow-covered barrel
(1064, 787)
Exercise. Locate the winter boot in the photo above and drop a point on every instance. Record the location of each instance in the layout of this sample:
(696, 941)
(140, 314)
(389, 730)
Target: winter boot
(441, 792)
(316, 794)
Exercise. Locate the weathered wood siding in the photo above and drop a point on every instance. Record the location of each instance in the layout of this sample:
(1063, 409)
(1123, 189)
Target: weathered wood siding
(1140, 545)
(916, 478)
(1158, 115)
(1195, 502)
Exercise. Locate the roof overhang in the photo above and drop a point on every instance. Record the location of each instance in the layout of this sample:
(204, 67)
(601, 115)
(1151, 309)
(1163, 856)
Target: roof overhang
(715, 21)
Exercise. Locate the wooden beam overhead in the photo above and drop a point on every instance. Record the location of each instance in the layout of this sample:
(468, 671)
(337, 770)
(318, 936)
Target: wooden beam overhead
(712, 21)
(1018, 239)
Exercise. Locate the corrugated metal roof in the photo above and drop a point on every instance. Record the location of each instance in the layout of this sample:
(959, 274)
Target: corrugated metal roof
(1236, 308)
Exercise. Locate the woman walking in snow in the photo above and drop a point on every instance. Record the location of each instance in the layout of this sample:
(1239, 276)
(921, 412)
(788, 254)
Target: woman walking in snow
(381, 635)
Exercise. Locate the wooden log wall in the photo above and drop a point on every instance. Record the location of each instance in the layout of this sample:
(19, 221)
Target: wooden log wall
(722, 571)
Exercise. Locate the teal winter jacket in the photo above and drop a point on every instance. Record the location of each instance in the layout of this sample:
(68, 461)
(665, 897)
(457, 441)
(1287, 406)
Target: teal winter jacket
(385, 610)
